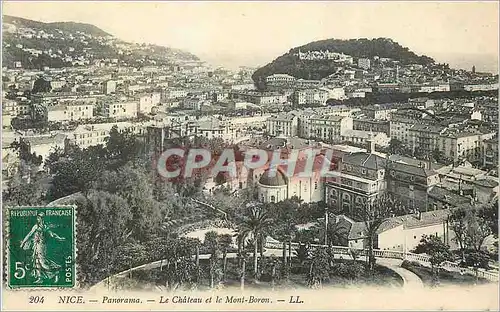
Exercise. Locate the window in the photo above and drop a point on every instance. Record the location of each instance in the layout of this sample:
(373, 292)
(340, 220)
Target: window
(273, 199)
(315, 185)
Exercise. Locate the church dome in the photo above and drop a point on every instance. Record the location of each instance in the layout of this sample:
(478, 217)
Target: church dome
(277, 180)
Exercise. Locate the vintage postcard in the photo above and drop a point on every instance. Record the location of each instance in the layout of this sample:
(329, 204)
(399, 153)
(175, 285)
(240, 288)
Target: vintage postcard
(291, 155)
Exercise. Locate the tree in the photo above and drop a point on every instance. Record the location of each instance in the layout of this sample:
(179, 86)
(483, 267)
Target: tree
(225, 242)
(373, 215)
(397, 147)
(102, 225)
(457, 220)
(255, 222)
(135, 186)
(319, 268)
(478, 228)
(212, 244)
(489, 214)
(22, 190)
(337, 234)
(303, 253)
(438, 251)
(54, 157)
(122, 147)
(180, 268)
(22, 147)
(129, 255)
(41, 85)
(477, 259)
(76, 170)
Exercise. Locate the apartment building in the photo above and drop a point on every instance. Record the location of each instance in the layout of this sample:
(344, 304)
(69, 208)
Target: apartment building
(410, 183)
(379, 112)
(326, 127)
(280, 79)
(69, 112)
(125, 109)
(360, 137)
(259, 98)
(283, 125)
(96, 134)
(490, 153)
(400, 129)
(457, 144)
(368, 124)
(364, 63)
(310, 97)
(360, 181)
(425, 138)
(147, 102)
(15, 108)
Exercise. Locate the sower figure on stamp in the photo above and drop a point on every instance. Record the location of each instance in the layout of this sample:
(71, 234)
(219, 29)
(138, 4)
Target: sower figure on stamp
(43, 267)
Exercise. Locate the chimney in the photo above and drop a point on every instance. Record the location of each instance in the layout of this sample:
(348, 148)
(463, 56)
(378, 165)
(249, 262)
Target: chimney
(371, 146)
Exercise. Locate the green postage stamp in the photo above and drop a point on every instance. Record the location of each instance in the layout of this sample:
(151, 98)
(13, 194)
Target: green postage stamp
(41, 247)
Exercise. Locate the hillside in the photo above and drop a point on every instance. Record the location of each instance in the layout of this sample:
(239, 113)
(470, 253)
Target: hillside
(34, 45)
(71, 27)
(289, 63)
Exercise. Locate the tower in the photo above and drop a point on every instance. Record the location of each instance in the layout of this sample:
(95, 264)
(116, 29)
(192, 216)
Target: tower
(473, 69)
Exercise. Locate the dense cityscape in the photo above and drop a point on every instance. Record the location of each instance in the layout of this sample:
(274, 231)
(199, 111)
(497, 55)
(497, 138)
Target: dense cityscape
(414, 144)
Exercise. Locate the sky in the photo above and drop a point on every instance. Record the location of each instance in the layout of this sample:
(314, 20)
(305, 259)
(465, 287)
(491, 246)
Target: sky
(254, 33)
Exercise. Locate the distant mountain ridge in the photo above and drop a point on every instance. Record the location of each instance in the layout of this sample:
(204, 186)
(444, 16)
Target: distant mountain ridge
(72, 27)
(35, 45)
(357, 48)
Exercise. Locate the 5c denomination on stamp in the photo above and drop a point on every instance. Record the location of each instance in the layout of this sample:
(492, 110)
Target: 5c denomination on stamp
(41, 247)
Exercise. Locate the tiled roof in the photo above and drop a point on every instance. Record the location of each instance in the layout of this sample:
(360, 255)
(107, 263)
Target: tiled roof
(486, 183)
(358, 229)
(39, 140)
(414, 170)
(370, 161)
(446, 196)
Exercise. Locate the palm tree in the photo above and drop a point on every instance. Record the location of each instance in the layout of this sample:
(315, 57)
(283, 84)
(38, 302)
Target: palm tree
(337, 234)
(225, 241)
(211, 241)
(241, 258)
(255, 222)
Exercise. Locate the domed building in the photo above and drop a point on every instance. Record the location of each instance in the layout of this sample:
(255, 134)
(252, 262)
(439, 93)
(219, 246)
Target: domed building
(272, 186)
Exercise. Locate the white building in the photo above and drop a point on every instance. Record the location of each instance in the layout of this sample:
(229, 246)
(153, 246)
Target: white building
(364, 63)
(70, 112)
(96, 134)
(280, 79)
(44, 145)
(273, 188)
(327, 127)
(481, 87)
(109, 87)
(126, 109)
(336, 93)
(435, 88)
(147, 102)
(363, 137)
(310, 96)
(283, 125)
(175, 93)
(401, 233)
